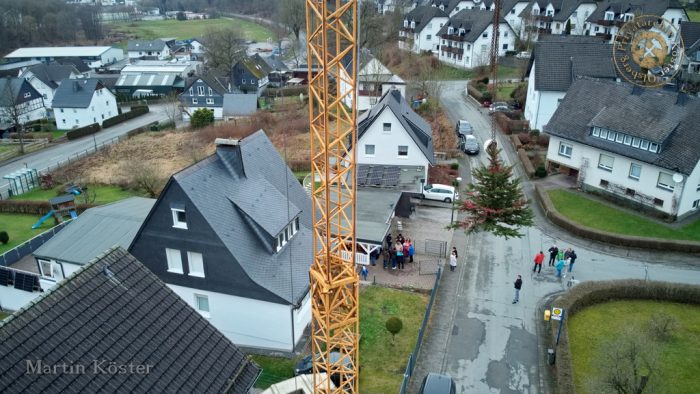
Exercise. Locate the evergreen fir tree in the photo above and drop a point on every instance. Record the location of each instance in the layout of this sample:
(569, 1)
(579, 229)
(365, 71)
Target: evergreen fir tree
(494, 201)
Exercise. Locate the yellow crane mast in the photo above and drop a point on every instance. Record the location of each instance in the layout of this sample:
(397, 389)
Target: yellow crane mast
(331, 34)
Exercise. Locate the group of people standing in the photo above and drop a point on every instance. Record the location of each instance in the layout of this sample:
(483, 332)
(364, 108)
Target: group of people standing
(558, 258)
(397, 252)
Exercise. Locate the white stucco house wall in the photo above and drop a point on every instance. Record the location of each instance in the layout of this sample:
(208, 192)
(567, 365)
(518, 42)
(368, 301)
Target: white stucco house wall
(148, 49)
(555, 63)
(610, 15)
(373, 80)
(465, 40)
(392, 134)
(419, 28)
(81, 102)
(634, 144)
(19, 102)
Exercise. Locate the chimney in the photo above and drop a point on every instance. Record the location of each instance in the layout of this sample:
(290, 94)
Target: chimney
(226, 141)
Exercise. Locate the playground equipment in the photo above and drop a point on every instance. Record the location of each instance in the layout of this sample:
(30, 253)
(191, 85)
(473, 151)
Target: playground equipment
(62, 209)
(22, 181)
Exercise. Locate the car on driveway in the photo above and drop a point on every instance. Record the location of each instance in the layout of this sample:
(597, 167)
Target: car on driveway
(499, 106)
(463, 128)
(305, 366)
(523, 55)
(439, 192)
(469, 144)
(435, 383)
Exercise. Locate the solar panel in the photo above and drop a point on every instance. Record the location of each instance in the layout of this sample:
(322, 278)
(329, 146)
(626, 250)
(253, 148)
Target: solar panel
(26, 282)
(5, 276)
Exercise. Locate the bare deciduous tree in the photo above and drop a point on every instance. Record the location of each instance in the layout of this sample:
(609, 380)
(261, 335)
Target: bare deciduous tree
(629, 366)
(172, 107)
(292, 13)
(223, 47)
(13, 109)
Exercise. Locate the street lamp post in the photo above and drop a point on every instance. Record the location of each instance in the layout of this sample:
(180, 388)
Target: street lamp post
(454, 193)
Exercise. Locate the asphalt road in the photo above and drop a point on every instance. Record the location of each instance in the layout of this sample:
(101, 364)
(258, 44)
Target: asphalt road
(477, 335)
(42, 159)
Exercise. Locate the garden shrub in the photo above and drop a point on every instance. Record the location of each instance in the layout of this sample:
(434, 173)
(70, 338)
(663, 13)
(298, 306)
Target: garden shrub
(4, 238)
(454, 166)
(83, 131)
(541, 171)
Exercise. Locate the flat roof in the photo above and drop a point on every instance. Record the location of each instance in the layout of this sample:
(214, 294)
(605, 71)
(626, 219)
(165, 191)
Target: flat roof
(175, 68)
(375, 208)
(58, 52)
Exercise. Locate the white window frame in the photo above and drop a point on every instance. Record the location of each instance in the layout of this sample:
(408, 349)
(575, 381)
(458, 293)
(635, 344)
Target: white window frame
(667, 183)
(644, 145)
(635, 142)
(53, 267)
(195, 263)
(204, 312)
(176, 221)
(619, 138)
(596, 132)
(367, 154)
(611, 135)
(606, 162)
(628, 140)
(696, 204)
(603, 133)
(195, 101)
(211, 92)
(399, 151)
(200, 90)
(210, 101)
(631, 175)
(653, 147)
(174, 260)
(563, 149)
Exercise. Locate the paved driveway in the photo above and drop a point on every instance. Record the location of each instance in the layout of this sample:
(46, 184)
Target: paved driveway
(486, 343)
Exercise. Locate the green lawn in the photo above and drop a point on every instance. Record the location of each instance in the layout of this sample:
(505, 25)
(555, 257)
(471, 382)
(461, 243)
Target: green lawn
(678, 358)
(19, 228)
(382, 361)
(149, 30)
(103, 194)
(596, 215)
(275, 369)
(504, 91)
(694, 16)
(3, 315)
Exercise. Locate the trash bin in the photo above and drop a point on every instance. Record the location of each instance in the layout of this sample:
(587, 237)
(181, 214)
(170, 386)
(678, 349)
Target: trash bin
(551, 356)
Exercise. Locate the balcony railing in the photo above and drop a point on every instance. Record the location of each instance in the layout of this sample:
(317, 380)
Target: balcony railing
(615, 22)
(544, 18)
(455, 50)
(453, 37)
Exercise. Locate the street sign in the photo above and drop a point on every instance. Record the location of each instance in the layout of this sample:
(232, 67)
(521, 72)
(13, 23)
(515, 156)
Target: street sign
(557, 313)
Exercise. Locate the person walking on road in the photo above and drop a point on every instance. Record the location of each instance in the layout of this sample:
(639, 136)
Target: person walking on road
(453, 261)
(572, 260)
(553, 251)
(364, 272)
(518, 285)
(539, 259)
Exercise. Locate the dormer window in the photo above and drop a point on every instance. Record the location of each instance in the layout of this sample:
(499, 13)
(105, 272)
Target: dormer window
(286, 234)
(405, 23)
(413, 24)
(462, 32)
(628, 17)
(625, 139)
(450, 31)
(609, 15)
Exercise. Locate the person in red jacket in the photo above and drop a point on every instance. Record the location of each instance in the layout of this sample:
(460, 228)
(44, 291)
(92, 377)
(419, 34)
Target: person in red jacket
(539, 258)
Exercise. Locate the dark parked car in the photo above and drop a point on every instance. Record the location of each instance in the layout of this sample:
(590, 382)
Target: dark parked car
(469, 144)
(435, 383)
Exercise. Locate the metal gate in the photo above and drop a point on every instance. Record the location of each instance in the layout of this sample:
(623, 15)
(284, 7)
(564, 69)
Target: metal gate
(436, 248)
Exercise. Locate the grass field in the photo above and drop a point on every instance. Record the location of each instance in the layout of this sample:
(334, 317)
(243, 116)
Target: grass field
(103, 194)
(678, 358)
(504, 91)
(382, 361)
(19, 228)
(694, 15)
(596, 215)
(149, 30)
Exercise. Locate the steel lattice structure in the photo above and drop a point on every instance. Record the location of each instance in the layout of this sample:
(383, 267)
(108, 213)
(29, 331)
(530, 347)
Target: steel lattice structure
(331, 31)
(493, 58)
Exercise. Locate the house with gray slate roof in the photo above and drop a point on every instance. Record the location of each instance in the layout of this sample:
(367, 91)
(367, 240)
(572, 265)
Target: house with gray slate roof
(81, 102)
(545, 17)
(392, 134)
(419, 28)
(19, 103)
(555, 64)
(45, 78)
(114, 326)
(148, 49)
(610, 15)
(690, 34)
(465, 40)
(634, 144)
(231, 235)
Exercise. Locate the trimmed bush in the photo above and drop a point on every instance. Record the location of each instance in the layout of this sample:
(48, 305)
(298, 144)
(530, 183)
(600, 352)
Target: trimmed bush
(394, 325)
(541, 171)
(201, 118)
(454, 166)
(4, 238)
(135, 111)
(83, 131)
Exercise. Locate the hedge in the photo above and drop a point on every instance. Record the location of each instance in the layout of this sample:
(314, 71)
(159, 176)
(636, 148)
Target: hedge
(592, 293)
(135, 111)
(555, 217)
(287, 91)
(33, 207)
(510, 126)
(83, 131)
(527, 163)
